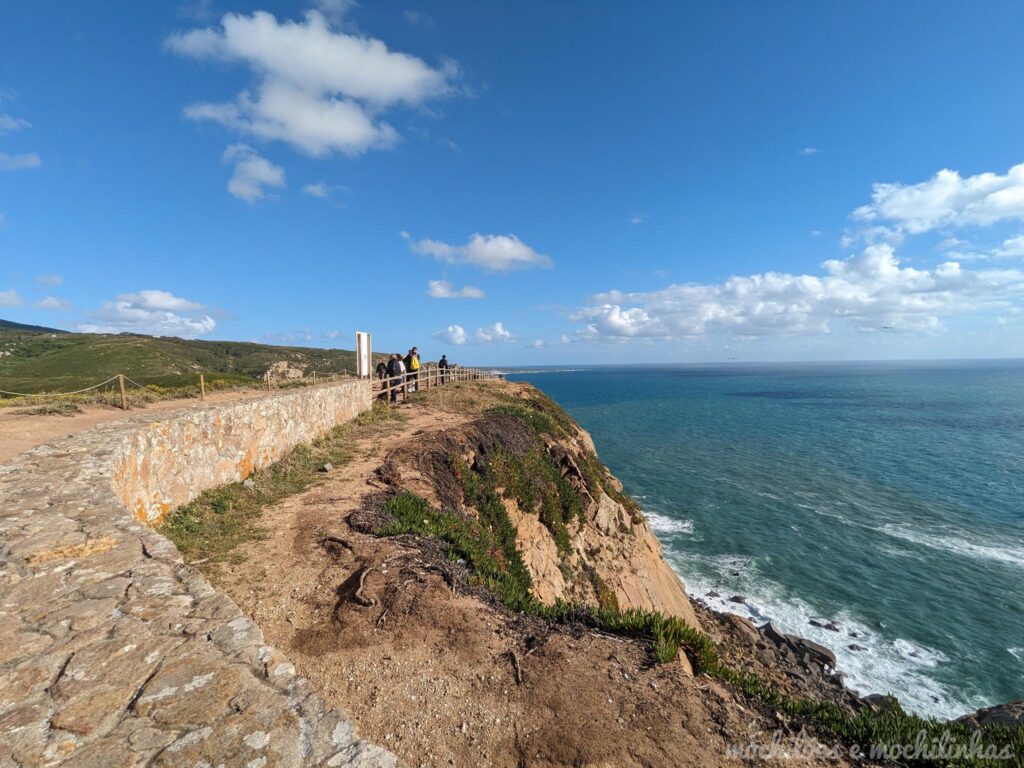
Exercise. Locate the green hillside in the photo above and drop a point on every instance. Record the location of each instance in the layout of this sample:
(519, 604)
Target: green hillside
(12, 326)
(35, 359)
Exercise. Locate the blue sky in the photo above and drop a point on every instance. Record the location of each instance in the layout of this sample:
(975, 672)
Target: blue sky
(520, 183)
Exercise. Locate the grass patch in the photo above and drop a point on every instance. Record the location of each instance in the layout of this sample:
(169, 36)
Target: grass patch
(212, 526)
(463, 396)
(543, 416)
(56, 408)
(537, 486)
(488, 544)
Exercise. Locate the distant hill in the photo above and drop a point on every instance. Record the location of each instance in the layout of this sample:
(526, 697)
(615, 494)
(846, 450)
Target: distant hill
(12, 326)
(34, 359)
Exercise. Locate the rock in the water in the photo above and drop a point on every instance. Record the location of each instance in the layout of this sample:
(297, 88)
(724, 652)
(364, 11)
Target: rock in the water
(1011, 714)
(737, 599)
(855, 647)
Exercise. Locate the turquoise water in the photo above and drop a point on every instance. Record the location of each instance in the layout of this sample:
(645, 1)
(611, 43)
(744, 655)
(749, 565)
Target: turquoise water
(886, 497)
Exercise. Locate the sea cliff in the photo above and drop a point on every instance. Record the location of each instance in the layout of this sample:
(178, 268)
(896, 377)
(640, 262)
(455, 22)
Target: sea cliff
(472, 586)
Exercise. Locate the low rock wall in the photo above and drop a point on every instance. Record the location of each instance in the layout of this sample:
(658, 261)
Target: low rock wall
(112, 650)
(168, 461)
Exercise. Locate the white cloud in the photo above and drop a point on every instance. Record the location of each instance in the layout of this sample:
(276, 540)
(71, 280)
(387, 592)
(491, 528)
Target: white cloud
(498, 253)
(453, 334)
(324, 191)
(442, 289)
(53, 303)
(252, 174)
(335, 10)
(950, 243)
(49, 279)
(331, 334)
(19, 162)
(868, 291)
(493, 333)
(639, 218)
(10, 124)
(417, 18)
(10, 299)
(1011, 248)
(318, 89)
(808, 151)
(815, 233)
(947, 199)
(317, 189)
(154, 312)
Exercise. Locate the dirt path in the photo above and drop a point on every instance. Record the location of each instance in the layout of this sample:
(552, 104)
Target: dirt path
(441, 677)
(22, 432)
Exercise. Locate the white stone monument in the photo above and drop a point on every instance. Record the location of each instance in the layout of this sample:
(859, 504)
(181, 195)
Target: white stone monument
(364, 355)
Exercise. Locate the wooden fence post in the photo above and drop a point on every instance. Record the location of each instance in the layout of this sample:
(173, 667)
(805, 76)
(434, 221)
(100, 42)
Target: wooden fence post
(314, 378)
(124, 396)
(268, 381)
(202, 387)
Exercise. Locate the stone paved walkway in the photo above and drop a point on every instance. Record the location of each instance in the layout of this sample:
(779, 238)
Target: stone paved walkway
(114, 653)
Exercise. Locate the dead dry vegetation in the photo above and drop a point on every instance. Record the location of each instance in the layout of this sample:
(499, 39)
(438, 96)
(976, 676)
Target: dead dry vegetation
(393, 585)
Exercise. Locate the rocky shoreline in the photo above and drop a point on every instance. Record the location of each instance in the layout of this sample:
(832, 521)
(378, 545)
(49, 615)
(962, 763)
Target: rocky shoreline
(807, 668)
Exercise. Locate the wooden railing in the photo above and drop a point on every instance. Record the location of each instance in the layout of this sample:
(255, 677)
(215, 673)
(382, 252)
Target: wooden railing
(426, 378)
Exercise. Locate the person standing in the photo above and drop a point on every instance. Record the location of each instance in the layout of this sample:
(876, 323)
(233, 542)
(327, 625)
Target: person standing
(414, 368)
(396, 372)
(443, 368)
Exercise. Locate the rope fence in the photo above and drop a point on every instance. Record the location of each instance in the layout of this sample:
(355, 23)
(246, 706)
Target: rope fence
(58, 394)
(382, 388)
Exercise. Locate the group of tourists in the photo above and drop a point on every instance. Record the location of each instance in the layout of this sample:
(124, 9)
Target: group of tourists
(406, 369)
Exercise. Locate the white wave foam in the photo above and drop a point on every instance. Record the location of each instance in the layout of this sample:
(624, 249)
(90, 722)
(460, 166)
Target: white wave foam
(668, 525)
(958, 543)
(1017, 653)
(888, 665)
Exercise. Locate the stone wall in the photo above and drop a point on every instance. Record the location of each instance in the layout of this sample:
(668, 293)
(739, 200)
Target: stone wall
(167, 462)
(112, 650)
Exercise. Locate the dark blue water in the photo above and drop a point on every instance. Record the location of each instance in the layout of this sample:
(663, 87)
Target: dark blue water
(887, 497)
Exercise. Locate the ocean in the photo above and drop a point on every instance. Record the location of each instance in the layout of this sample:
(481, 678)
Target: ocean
(885, 497)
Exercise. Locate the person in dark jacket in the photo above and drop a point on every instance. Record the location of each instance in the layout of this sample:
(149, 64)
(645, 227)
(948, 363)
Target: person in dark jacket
(382, 370)
(396, 372)
(442, 365)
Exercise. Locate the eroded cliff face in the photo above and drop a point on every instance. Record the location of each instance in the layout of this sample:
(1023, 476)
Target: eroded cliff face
(613, 549)
(580, 537)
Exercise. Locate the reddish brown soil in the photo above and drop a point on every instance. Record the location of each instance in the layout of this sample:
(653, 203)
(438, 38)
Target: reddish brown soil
(443, 677)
